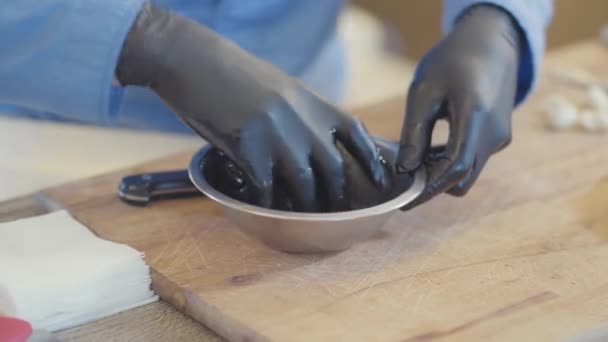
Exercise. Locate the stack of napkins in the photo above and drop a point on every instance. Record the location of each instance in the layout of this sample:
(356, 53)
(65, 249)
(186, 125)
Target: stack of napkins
(61, 275)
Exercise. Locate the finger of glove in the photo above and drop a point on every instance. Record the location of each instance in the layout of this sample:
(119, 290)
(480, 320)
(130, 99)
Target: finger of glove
(434, 167)
(359, 144)
(447, 169)
(329, 167)
(491, 141)
(296, 171)
(435, 161)
(463, 187)
(263, 188)
(466, 123)
(422, 111)
(258, 168)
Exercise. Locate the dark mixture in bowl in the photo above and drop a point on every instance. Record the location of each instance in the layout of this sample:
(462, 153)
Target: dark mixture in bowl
(223, 175)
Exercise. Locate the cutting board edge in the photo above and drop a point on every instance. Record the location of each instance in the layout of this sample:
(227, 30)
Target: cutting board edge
(187, 301)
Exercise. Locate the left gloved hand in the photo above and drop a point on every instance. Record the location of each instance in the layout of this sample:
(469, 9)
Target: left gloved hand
(470, 79)
(276, 131)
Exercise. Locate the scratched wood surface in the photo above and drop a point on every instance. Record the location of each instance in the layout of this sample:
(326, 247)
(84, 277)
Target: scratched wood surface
(523, 256)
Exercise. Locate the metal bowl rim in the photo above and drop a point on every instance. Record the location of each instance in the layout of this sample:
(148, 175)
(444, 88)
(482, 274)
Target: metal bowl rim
(196, 176)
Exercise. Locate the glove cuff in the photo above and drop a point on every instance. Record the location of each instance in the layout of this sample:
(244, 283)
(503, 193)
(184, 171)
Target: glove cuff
(510, 30)
(142, 52)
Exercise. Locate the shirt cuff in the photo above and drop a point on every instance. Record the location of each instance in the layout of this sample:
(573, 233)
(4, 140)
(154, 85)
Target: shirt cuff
(532, 18)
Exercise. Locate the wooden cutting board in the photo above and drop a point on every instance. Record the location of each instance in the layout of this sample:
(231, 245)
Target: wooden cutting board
(523, 256)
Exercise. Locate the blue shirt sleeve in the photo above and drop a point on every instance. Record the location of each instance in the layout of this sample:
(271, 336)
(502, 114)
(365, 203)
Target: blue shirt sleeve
(533, 17)
(60, 56)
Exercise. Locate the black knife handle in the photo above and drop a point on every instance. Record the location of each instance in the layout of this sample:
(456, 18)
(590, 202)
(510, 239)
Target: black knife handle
(142, 189)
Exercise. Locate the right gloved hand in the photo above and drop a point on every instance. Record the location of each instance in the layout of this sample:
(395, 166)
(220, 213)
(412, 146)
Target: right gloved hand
(269, 124)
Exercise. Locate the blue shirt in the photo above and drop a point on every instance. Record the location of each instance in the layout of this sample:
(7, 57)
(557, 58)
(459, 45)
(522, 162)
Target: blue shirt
(58, 57)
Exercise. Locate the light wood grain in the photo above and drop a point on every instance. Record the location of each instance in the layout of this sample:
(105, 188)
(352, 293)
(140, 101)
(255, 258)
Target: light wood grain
(523, 256)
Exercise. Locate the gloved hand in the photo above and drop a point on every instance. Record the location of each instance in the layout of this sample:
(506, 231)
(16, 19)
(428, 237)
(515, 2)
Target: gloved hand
(270, 125)
(470, 79)
(222, 175)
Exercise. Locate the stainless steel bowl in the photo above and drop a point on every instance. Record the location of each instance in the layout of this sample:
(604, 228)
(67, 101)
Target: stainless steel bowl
(304, 232)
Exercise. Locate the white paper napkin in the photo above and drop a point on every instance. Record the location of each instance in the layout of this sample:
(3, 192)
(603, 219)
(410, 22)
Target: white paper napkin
(61, 275)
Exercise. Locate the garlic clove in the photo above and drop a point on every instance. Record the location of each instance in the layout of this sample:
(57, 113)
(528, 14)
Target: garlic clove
(592, 121)
(598, 97)
(560, 113)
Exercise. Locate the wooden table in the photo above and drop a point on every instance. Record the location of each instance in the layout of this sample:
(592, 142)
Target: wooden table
(159, 321)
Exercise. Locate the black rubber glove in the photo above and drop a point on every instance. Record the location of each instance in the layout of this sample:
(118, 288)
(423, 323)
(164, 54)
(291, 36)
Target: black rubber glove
(269, 124)
(469, 79)
(221, 173)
